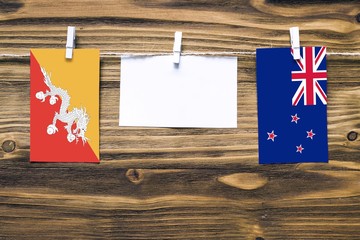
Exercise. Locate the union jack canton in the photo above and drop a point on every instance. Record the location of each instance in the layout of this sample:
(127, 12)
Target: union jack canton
(309, 75)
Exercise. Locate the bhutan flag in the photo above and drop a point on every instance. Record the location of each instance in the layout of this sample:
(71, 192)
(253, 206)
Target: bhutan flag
(64, 106)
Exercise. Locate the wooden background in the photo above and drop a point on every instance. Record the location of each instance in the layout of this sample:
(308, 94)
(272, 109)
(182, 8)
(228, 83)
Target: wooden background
(179, 183)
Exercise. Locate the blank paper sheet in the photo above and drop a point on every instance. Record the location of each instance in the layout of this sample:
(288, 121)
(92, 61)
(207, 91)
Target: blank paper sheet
(200, 92)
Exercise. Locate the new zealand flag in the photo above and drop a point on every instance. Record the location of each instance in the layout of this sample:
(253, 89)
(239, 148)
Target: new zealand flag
(292, 105)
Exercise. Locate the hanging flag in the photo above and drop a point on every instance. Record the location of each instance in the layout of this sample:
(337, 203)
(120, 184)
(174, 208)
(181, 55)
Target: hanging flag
(292, 105)
(64, 106)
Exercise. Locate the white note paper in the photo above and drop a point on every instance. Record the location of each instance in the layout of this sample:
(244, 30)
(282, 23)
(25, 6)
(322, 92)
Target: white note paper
(200, 92)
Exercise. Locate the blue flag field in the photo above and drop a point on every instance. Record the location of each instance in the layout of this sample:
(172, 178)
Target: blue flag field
(292, 100)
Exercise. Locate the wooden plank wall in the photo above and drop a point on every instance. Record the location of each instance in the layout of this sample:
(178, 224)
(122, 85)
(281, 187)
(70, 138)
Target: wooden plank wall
(180, 183)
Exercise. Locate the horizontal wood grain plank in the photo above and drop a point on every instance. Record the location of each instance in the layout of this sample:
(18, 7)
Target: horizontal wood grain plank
(143, 26)
(114, 206)
(164, 145)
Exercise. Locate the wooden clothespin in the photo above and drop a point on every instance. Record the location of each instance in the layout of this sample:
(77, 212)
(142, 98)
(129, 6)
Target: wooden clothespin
(177, 47)
(295, 42)
(70, 42)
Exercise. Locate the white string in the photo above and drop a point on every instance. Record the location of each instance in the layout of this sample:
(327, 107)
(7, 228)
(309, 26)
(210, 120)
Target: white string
(182, 53)
(122, 54)
(343, 53)
(14, 55)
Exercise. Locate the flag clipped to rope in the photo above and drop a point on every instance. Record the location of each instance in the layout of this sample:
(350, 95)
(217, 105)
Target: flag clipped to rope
(292, 105)
(64, 106)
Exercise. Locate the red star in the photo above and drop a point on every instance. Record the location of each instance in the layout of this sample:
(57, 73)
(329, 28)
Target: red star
(299, 149)
(310, 134)
(294, 118)
(271, 136)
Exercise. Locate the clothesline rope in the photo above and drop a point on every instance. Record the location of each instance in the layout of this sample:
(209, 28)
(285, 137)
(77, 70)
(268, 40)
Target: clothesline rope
(104, 54)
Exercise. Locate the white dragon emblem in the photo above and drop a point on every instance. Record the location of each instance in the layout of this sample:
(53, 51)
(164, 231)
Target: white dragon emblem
(77, 115)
